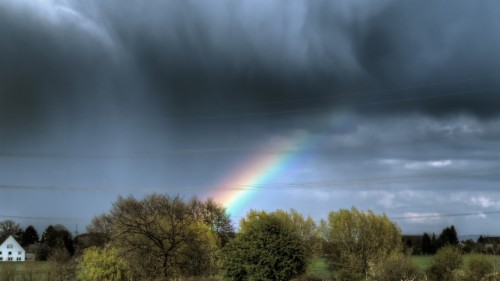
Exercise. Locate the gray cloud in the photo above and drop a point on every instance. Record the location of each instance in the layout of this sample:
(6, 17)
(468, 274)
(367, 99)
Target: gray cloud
(143, 90)
(190, 57)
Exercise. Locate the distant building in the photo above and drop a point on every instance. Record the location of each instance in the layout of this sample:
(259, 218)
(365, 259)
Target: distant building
(491, 239)
(10, 250)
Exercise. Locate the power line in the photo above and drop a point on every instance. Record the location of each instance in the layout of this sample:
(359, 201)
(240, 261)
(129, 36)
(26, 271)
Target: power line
(188, 151)
(445, 175)
(42, 218)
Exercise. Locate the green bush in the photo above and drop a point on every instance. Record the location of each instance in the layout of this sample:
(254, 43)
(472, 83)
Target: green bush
(477, 267)
(396, 267)
(445, 264)
(267, 248)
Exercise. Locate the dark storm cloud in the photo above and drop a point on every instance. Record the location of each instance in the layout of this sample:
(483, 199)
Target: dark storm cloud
(194, 58)
(196, 54)
(46, 59)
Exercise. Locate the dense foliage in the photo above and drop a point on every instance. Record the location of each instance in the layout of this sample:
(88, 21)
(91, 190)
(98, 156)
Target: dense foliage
(477, 267)
(268, 247)
(102, 264)
(445, 264)
(396, 267)
(161, 237)
(359, 240)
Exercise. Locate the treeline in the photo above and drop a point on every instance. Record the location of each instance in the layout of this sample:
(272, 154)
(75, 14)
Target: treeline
(56, 242)
(162, 237)
(429, 244)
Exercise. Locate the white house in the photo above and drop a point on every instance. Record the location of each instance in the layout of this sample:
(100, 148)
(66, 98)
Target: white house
(10, 250)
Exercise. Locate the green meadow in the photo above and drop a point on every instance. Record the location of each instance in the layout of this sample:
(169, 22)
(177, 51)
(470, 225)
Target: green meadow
(40, 270)
(319, 266)
(425, 261)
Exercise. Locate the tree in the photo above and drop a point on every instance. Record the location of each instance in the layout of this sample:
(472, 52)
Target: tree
(307, 230)
(361, 239)
(445, 263)
(102, 264)
(98, 234)
(434, 243)
(10, 227)
(215, 217)
(159, 237)
(267, 248)
(426, 244)
(448, 236)
(480, 239)
(29, 236)
(58, 237)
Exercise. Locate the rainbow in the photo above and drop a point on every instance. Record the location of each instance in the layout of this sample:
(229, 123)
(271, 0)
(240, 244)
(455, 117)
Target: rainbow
(271, 162)
(237, 190)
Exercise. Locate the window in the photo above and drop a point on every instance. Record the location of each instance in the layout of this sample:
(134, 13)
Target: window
(19, 253)
(0, 252)
(10, 246)
(10, 259)
(10, 253)
(1, 258)
(18, 259)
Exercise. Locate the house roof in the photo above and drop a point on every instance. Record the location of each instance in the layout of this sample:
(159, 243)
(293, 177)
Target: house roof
(4, 238)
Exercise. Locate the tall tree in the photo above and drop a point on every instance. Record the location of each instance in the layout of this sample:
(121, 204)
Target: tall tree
(99, 231)
(160, 238)
(426, 244)
(215, 217)
(10, 227)
(57, 237)
(307, 230)
(29, 236)
(361, 239)
(448, 236)
(267, 248)
(434, 243)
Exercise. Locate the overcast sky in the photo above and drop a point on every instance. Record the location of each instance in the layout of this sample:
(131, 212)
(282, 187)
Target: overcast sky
(386, 105)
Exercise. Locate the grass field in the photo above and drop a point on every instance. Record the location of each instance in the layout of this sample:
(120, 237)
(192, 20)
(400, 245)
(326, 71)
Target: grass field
(319, 268)
(422, 261)
(425, 261)
(41, 270)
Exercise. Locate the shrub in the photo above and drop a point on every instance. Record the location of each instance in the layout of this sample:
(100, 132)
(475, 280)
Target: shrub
(396, 267)
(477, 267)
(444, 264)
(102, 264)
(267, 248)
